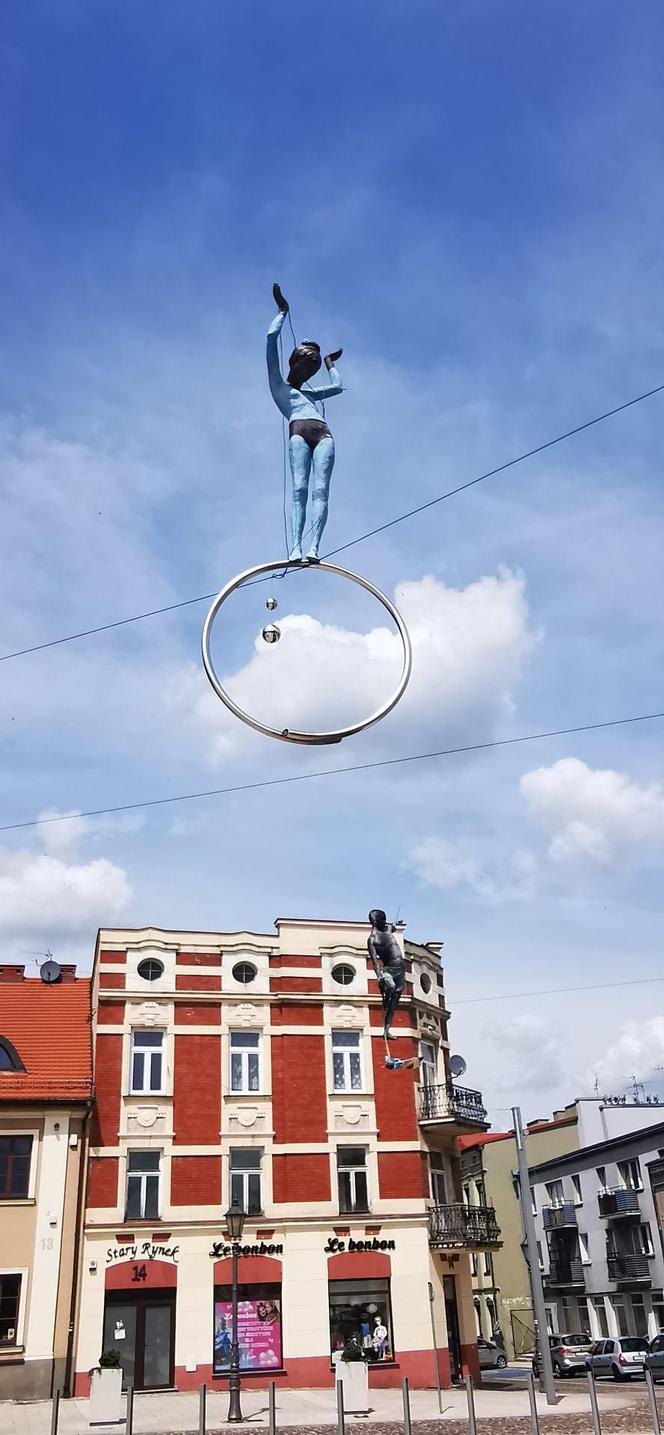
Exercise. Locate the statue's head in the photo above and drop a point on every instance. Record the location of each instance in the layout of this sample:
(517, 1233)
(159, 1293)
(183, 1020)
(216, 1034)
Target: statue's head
(304, 362)
(377, 918)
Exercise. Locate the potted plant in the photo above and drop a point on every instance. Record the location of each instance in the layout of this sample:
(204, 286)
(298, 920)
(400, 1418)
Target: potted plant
(353, 1372)
(106, 1390)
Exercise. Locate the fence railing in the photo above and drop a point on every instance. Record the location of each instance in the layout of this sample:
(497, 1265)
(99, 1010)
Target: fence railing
(563, 1215)
(448, 1102)
(628, 1267)
(565, 1273)
(622, 1202)
(463, 1226)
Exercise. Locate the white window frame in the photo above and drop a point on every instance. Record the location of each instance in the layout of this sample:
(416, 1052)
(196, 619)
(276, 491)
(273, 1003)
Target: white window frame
(627, 1169)
(437, 1174)
(244, 1174)
(646, 1247)
(584, 1249)
(143, 1176)
(346, 1051)
(253, 1047)
(22, 1271)
(351, 1171)
(427, 1065)
(32, 1173)
(147, 1052)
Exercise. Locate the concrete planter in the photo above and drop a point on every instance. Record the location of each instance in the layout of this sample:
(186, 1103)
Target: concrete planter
(354, 1377)
(105, 1397)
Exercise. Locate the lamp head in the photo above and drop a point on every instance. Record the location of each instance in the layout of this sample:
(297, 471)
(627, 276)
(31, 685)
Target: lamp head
(235, 1219)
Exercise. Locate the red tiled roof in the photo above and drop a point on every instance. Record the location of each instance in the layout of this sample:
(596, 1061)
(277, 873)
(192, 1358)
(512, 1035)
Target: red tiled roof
(49, 1028)
(482, 1139)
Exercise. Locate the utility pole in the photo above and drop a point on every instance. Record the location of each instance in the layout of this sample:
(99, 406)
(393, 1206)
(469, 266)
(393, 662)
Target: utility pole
(532, 1261)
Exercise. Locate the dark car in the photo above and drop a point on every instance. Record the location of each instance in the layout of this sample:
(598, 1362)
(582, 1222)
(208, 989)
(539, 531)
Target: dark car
(569, 1352)
(655, 1358)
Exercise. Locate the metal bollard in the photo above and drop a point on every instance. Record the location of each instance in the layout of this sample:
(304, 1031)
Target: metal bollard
(532, 1396)
(341, 1424)
(272, 1408)
(129, 1407)
(652, 1401)
(55, 1411)
(407, 1427)
(202, 1409)
(597, 1424)
(470, 1397)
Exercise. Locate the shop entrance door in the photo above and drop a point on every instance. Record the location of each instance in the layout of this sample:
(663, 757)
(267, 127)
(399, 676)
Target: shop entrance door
(142, 1328)
(452, 1318)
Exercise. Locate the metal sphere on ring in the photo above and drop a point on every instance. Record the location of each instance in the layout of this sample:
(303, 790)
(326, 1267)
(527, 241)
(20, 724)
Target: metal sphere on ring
(289, 734)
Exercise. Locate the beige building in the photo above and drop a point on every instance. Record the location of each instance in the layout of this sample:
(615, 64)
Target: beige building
(45, 1097)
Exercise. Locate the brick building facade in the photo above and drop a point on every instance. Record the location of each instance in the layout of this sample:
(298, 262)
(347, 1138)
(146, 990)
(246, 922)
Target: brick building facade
(251, 1067)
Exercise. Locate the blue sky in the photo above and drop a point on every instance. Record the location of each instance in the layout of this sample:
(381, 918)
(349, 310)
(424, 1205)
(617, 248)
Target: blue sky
(468, 199)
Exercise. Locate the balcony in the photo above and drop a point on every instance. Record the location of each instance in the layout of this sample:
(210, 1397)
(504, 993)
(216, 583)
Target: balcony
(565, 1273)
(463, 1227)
(452, 1103)
(556, 1216)
(628, 1268)
(620, 1202)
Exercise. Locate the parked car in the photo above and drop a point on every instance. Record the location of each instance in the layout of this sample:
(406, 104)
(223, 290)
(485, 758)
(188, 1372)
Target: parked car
(568, 1353)
(655, 1357)
(491, 1356)
(622, 1356)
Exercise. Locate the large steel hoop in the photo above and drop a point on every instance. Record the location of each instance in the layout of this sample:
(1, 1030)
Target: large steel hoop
(289, 734)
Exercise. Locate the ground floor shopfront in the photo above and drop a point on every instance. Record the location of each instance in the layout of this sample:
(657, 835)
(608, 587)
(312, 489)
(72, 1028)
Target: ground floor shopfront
(635, 1312)
(164, 1302)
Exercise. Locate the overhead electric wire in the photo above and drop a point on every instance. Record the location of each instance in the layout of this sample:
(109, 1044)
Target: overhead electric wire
(331, 772)
(431, 503)
(557, 991)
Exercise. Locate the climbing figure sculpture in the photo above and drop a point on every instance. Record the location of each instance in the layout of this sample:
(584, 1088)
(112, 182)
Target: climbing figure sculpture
(384, 949)
(310, 443)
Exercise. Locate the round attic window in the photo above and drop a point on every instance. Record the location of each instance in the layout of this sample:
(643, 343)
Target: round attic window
(244, 972)
(425, 982)
(343, 974)
(151, 969)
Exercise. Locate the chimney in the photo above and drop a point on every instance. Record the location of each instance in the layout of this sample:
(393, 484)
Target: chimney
(12, 974)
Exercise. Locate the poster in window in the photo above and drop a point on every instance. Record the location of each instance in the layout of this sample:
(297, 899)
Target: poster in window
(258, 1333)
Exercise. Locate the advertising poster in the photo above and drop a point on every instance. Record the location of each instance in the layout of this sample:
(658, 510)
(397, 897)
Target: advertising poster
(258, 1334)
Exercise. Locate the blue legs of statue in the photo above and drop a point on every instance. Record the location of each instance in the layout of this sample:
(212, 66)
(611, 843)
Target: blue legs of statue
(309, 466)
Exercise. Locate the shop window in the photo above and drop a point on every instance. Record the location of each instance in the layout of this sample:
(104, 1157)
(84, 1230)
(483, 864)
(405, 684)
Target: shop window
(360, 1312)
(245, 1061)
(346, 1061)
(428, 1063)
(147, 1061)
(352, 1179)
(246, 1179)
(142, 1202)
(10, 1299)
(630, 1175)
(15, 1152)
(9, 1057)
(437, 1178)
(258, 1327)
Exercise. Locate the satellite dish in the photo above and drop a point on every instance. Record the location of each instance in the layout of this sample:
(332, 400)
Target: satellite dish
(457, 1065)
(50, 972)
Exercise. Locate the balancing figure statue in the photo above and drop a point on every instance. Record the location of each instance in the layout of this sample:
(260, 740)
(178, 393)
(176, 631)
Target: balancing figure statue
(310, 443)
(384, 949)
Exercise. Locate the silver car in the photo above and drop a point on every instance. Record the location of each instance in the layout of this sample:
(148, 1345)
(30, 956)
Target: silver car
(621, 1356)
(491, 1356)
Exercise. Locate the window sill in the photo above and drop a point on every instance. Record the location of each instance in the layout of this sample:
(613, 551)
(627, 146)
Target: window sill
(255, 1095)
(12, 1355)
(360, 1095)
(17, 1201)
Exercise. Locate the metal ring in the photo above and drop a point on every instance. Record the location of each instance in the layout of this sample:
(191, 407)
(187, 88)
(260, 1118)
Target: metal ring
(287, 734)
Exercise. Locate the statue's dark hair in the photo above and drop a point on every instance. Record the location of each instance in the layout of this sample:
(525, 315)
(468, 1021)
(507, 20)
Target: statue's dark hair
(376, 912)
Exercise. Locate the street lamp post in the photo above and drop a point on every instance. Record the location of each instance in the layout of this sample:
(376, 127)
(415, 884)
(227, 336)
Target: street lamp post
(235, 1219)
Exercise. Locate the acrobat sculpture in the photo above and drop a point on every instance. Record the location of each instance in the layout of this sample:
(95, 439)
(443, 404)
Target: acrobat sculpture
(310, 443)
(389, 966)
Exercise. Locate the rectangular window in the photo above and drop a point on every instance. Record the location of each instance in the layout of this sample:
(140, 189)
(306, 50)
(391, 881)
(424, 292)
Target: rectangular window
(555, 1194)
(630, 1175)
(428, 1063)
(583, 1249)
(600, 1172)
(245, 1184)
(576, 1187)
(642, 1239)
(142, 1186)
(147, 1061)
(533, 1200)
(487, 1263)
(437, 1178)
(346, 1061)
(352, 1179)
(540, 1257)
(258, 1327)
(473, 1264)
(10, 1299)
(15, 1154)
(360, 1312)
(245, 1061)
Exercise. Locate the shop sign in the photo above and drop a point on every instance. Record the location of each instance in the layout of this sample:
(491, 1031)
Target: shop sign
(335, 1247)
(220, 1251)
(143, 1251)
(258, 1333)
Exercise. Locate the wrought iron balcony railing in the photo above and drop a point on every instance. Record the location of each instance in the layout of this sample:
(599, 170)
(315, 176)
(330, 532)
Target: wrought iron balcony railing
(628, 1267)
(452, 1103)
(555, 1216)
(565, 1273)
(620, 1202)
(463, 1226)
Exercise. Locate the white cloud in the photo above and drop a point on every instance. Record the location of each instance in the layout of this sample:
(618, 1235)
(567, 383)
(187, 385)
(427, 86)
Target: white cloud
(530, 1050)
(637, 1051)
(42, 895)
(593, 812)
(438, 862)
(469, 647)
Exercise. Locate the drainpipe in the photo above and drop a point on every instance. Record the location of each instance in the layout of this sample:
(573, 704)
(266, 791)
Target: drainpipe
(78, 1249)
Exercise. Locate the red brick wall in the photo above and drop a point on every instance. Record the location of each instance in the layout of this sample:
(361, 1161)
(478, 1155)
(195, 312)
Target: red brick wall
(103, 1181)
(297, 1015)
(401, 1175)
(301, 1178)
(110, 1013)
(206, 982)
(108, 980)
(203, 1014)
(295, 984)
(298, 1088)
(396, 1094)
(197, 1090)
(195, 1180)
(108, 1080)
(198, 959)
